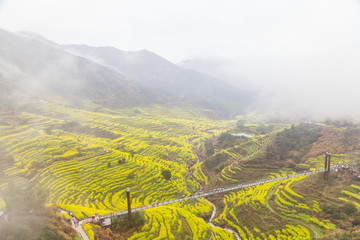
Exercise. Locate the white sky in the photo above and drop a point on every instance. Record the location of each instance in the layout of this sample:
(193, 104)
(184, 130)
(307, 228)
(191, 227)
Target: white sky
(182, 29)
(296, 44)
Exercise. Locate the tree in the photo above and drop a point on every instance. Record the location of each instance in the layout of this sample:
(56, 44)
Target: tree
(24, 201)
(219, 167)
(349, 208)
(79, 151)
(240, 123)
(166, 174)
(209, 147)
(131, 175)
(28, 218)
(121, 161)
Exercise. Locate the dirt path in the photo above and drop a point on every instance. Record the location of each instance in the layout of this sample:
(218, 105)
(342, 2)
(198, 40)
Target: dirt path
(197, 157)
(213, 213)
(78, 228)
(40, 172)
(212, 225)
(197, 161)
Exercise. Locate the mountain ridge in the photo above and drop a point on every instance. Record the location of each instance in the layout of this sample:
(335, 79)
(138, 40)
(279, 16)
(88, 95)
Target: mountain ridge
(33, 68)
(150, 70)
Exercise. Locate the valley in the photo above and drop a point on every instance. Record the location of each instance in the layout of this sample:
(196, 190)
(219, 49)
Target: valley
(80, 125)
(85, 160)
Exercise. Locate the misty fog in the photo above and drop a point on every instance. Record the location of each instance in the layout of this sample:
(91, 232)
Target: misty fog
(138, 119)
(300, 58)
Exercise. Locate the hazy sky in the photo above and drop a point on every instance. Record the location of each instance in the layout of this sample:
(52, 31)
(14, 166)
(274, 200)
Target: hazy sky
(184, 29)
(304, 48)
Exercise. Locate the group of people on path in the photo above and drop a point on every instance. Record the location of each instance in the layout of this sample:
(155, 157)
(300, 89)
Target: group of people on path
(74, 220)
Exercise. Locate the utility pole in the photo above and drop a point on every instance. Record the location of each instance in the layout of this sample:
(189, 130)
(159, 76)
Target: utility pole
(326, 160)
(327, 165)
(129, 203)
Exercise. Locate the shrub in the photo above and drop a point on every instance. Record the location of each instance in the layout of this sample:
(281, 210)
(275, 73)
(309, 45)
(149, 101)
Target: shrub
(356, 221)
(219, 167)
(50, 234)
(349, 208)
(166, 174)
(122, 224)
(131, 176)
(209, 147)
(216, 160)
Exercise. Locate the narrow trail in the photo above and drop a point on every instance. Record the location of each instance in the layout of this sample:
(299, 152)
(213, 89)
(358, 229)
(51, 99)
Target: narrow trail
(78, 228)
(197, 161)
(213, 213)
(212, 225)
(33, 178)
(193, 151)
(197, 157)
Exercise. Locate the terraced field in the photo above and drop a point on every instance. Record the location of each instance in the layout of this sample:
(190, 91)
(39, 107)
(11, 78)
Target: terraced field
(178, 221)
(275, 206)
(87, 159)
(352, 195)
(254, 149)
(149, 141)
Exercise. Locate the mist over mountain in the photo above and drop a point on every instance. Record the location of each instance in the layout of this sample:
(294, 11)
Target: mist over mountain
(151, 70)
(33, 68)
(209, 66)
(292, 89)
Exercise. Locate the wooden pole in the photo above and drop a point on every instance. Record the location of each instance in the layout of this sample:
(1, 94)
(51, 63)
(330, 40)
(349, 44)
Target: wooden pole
(129, 203)
(329, 163)
(326, 160)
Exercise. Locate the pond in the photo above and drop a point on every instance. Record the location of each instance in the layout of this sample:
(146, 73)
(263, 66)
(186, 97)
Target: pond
(242, 134)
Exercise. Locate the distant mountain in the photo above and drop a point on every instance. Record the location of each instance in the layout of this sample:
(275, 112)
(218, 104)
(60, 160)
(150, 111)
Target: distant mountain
(211, 67)
(151, 70)
(33, 67)
(221, 68)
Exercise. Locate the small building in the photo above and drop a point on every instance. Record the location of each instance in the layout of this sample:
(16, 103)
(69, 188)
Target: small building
(106, 222)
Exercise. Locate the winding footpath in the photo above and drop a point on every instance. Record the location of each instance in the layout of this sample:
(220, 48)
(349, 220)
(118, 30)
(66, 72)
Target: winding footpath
(78, 228)
(212, 225)
(202, 195)
(213, 213)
